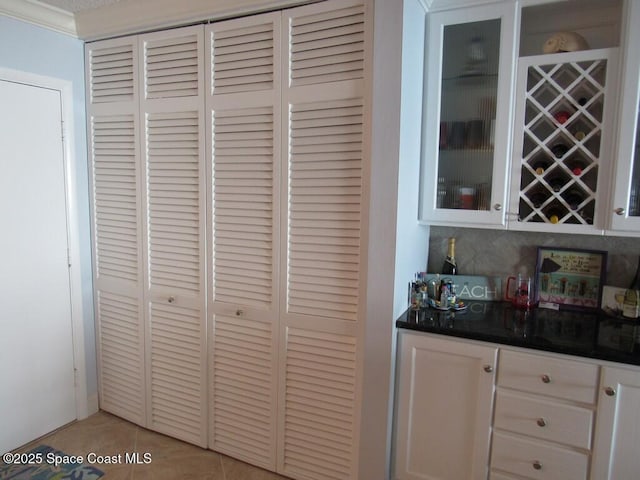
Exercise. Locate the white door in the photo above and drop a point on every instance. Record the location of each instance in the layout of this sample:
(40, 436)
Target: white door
(615, 450)
(37, 392)
(444, 408)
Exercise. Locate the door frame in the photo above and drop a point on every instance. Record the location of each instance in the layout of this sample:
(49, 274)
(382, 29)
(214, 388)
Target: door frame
(64, 87)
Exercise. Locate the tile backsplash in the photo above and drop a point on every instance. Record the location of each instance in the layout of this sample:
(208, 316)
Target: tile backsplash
(502, 253)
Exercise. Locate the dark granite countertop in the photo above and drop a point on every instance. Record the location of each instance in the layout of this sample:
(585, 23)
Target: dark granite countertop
(583, 334)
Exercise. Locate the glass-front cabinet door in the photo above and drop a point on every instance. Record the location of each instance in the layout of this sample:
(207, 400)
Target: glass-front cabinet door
(625, 211)
(467, 115)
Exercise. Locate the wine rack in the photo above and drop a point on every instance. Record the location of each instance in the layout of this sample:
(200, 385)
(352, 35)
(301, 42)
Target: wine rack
(562, 99)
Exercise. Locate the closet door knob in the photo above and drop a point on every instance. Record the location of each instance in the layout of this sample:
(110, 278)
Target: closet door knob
(537, 465)
(545, 378)
(497, 207)
(488, 368)
(541, 422)
(610, 391)
(619, 211)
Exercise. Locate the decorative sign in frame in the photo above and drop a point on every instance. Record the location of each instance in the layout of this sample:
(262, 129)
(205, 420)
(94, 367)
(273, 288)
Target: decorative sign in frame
(568, 278)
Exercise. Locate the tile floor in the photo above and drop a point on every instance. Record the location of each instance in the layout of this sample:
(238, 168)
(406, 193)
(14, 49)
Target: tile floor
(171, 459)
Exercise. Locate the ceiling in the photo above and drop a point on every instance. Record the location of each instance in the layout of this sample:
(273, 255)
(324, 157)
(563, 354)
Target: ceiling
(75, 6)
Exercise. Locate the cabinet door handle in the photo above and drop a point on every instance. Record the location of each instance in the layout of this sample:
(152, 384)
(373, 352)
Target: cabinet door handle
(537, 465)
(488, 368)
(619, 211)
(239, 312)
(610, 391)
(171, 299)
(545, 378)
(541, 422)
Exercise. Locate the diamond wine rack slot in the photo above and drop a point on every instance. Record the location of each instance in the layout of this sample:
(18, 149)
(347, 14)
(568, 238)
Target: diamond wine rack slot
(561, 142)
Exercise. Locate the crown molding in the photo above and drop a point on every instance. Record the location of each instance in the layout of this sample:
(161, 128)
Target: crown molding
(41, 14)
(134, 16)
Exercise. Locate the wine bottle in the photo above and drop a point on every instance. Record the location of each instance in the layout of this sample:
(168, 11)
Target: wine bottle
(559, 150)
(539, 166)
(449, 266)
(537, 199)
(561, 116)
(553, 215)
(576, 166)
(556, 183)
(574, 198)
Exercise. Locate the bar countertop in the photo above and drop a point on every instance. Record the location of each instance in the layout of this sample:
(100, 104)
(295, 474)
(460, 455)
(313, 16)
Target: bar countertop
(582, 334)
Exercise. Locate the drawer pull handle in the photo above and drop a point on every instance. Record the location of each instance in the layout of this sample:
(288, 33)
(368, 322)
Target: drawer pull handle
(239, 313)
(610, 391)
(537, 465)
(171, 299)
(541, 422)
(545, 378)
(488, 368)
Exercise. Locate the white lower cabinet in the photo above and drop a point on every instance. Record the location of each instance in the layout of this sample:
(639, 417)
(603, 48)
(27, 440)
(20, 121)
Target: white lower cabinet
(543, 416)
(616, 455)
(444, 405)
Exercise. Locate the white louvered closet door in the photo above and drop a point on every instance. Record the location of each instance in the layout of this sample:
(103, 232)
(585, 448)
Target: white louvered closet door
(112, 89)
(324, 228)
(172, 122)
(243, 106)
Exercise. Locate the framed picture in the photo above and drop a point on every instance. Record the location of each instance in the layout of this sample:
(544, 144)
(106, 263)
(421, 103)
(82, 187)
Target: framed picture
(567, 278)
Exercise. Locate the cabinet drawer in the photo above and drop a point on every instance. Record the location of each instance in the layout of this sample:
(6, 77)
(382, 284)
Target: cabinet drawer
(542, 375)
(536, 459)
(545, 419)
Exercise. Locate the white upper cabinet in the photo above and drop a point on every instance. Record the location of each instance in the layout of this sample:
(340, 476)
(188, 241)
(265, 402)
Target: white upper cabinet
(564, 123)
(520, 135)
(562, 141)
(624, 213)
(467, 114)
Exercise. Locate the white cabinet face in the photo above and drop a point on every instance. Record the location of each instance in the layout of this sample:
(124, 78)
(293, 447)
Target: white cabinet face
(445, 399)
(625, 210)
(466, 115)
(617, 426)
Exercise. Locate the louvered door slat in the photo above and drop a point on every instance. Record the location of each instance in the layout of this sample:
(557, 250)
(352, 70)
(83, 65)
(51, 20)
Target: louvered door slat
(244, 111)
(243, 418)
(319, 403)
(325, 189)
(172, 109)
(112, 115)
(176, 370)
(327, 46)
(242, 57)
(115, 197)
(111, 73)
(326, 238)
(255, 207)
(121, 356)
(172, 176)
(172, 66)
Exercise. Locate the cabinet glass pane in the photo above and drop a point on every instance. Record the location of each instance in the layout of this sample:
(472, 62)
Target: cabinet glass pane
(634, 198)
(467, 114)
